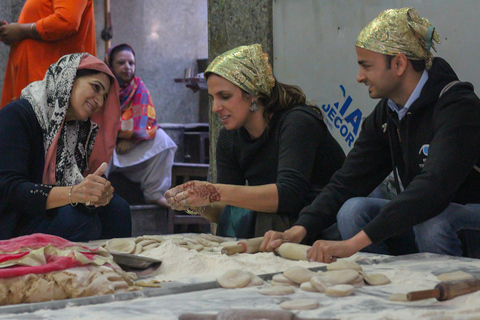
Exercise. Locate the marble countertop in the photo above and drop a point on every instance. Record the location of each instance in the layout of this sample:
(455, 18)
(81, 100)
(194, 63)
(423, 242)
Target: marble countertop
(408, 273)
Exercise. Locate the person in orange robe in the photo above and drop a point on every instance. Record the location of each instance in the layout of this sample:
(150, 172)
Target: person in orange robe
(46, 30)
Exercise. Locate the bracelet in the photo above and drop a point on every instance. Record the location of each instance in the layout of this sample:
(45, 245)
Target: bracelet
(70, 197)
(191, 211)
(32, 26)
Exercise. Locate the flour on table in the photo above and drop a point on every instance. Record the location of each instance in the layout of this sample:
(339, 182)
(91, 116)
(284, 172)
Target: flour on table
(190, 266)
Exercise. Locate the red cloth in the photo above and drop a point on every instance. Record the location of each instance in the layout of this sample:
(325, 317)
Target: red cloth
(16, 248)
(65, 26)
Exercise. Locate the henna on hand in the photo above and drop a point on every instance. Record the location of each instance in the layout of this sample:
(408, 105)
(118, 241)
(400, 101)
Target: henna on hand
(206, 191)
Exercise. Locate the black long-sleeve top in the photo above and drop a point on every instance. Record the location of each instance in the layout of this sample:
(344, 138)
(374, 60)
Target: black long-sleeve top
(296, 152)
(22, 159)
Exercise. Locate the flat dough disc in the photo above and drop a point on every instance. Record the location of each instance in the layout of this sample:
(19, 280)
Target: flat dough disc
(340, 290)
(307, 286)
(376, 279)
(276, 290)
(234, 278)
(121, 245)
(299, 304)
(454, 276)
(299, 274)
(342, 264)
(342, 276)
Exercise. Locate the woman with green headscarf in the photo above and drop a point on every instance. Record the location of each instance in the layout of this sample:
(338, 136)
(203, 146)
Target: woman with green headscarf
(274, 154)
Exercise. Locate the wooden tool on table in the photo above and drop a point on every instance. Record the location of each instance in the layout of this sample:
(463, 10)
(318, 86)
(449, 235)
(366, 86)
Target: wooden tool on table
(446, 290)
(244, 246)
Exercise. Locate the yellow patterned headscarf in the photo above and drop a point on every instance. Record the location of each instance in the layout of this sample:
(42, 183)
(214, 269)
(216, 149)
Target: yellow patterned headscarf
(400, 30)
(247, 67)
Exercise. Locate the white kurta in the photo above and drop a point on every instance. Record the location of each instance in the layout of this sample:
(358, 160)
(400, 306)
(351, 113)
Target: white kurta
(149, 163)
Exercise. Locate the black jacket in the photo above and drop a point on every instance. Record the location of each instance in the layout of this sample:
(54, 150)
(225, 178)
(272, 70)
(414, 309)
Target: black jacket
(22, 159)
(435, 147)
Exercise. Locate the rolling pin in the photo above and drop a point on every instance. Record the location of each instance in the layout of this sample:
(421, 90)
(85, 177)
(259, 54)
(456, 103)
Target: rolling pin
(446, 290)
(244, 246)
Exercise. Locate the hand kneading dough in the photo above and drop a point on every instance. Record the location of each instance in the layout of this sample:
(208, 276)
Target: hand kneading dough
(234, 279)
(342, 264)
(453, 276)
(376, 279)
(121, 245)
(299, 304)
(340, 290)
(299, 274)
(276, 290)
(293, 251)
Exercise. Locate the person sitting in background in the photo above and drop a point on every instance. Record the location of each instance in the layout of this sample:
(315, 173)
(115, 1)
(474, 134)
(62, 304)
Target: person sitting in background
(274, 154)
(46, 30)
(426, 128)
(144, 152)
(54, 141)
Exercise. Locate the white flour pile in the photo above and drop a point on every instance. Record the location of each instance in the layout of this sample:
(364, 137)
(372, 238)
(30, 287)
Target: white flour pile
(184, 265)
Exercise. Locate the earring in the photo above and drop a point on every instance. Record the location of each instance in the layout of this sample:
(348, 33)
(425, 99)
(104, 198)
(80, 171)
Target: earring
(254, 106)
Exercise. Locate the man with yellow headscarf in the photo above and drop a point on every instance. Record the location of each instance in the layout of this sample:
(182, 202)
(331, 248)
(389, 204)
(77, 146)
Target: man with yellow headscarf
(426, 128)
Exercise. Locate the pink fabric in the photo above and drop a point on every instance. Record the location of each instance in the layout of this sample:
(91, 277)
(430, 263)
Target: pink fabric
(16, 248)
(51, 161)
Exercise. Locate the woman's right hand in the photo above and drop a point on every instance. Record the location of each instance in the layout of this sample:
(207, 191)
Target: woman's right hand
(272, 240)
(94, 189)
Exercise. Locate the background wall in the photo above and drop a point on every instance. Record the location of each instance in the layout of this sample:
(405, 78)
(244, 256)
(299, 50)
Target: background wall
(232, 23)
(167, 36)
(317, 51)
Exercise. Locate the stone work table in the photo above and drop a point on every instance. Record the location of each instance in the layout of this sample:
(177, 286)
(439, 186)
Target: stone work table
(408, 273)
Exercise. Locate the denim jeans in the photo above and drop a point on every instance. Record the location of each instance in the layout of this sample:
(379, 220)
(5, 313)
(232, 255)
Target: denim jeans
(84, 224)
(436, 235)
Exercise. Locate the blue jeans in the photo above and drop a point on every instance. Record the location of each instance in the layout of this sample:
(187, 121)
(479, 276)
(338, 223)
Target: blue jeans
(82, 224)
(437, 235)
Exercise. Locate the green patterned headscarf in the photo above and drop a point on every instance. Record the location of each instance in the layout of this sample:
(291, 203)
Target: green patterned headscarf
(247, 67)
(400, 31)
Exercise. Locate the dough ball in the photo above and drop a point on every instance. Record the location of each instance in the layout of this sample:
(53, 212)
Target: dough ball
(234, 278)
(342, 264)
(254, 280)
(307, 286)
(358, 282)
(454, 276)
(321, 283)
(280, 278)
(299, 304)
(376, 279)
(340, 290)
(121, 245)
(299, 274)
(276, 290)
(343, 276)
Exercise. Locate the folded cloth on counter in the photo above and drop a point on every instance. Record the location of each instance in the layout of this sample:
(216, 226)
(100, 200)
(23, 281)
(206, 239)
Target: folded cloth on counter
(42, 253)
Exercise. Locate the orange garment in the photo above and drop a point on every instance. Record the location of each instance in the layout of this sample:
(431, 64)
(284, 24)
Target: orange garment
(66, 26)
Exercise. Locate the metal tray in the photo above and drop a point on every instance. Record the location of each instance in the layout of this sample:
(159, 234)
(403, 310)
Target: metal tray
(131, 261)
